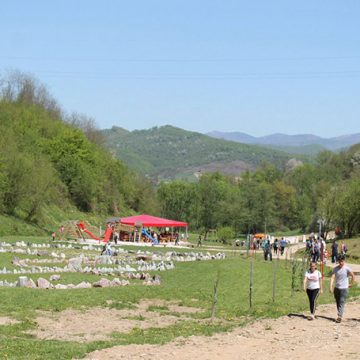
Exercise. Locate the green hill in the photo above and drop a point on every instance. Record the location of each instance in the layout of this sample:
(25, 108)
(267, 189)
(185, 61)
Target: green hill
(168, 152)
(50, 171)
(309, 150)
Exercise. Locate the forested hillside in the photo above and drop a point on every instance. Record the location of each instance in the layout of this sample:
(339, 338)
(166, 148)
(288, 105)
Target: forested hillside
(167, 152)
(272, 200)
(47, 161)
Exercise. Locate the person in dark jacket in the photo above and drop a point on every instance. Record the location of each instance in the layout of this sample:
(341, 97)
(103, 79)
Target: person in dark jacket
(334, 251)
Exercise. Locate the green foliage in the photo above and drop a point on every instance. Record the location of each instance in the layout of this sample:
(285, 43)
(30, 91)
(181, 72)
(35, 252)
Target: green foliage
(176, 199)
(268, 200)
(226, 234)
(166, 151)
(347, 211)
(211, 190)
(45, 161)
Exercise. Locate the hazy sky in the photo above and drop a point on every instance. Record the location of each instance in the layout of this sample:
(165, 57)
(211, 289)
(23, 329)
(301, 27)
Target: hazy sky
(258, 67)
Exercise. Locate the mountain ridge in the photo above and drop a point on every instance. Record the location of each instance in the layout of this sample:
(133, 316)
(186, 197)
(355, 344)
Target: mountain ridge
(280, 140)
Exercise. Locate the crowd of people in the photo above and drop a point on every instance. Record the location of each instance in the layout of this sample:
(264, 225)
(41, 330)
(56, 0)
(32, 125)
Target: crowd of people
(316, 247)
(276, 248)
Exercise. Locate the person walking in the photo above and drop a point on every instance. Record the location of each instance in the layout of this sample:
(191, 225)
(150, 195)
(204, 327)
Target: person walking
(177, 239)
(282, 246)
(340, 278)
(312, 286)
(334, 251)
(276, 246)
(316, 251)
(344, 249)
(267, 250)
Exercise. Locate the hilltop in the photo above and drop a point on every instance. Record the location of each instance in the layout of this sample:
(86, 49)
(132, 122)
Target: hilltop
(169, 152)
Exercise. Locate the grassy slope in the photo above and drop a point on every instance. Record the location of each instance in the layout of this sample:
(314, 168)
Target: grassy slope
(51, 218)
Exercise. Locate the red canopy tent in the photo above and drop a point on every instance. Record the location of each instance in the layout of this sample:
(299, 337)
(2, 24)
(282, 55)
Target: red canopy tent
(148, 220)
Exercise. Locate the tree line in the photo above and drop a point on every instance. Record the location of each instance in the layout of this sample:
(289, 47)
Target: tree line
(270, 199)
(50, 157)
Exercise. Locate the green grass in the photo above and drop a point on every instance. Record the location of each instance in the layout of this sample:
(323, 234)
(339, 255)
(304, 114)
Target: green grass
(51, 219)
(191, 284)
(158, 336)
(12, 239)
(13, 225)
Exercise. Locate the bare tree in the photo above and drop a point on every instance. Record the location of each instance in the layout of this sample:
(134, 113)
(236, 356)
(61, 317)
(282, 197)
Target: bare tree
(88, 126)
(16, 86)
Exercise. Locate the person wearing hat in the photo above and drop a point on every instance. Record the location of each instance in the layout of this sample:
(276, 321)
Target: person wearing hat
(340, 276)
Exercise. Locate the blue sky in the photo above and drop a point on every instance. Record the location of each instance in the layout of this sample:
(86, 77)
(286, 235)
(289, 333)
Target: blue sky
(258, 67)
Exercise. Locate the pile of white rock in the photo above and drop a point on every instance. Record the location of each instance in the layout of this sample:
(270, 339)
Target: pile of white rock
(189, 256)
(155, 266)
(42, 283)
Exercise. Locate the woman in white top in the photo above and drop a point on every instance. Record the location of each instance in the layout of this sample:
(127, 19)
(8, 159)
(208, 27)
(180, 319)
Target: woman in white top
(312, 286)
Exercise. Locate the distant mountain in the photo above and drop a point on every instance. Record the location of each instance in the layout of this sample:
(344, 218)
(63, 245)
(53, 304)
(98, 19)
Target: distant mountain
(286, 141)
(168, 152)
(233, 136)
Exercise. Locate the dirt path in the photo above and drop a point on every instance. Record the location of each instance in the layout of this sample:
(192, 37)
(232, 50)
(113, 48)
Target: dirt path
(287, 338)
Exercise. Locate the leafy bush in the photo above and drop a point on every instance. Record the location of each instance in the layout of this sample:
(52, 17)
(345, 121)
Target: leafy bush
(226, 234)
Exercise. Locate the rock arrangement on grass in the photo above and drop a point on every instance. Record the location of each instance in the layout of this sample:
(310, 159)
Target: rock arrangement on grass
(140, 255)
(76, 265)
(42, 283)
(126, 264)
(141, 261)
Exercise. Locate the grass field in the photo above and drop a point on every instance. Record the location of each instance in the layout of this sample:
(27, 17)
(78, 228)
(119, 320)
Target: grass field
(190, 283)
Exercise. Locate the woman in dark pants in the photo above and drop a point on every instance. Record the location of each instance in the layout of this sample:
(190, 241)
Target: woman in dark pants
(312, 286)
